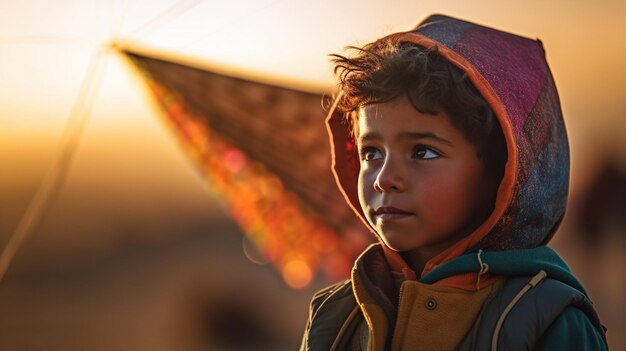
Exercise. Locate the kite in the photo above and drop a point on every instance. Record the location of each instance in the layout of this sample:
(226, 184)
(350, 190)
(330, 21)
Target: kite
(264, 152)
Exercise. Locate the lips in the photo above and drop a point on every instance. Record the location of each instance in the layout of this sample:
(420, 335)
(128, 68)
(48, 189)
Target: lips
(388, 213)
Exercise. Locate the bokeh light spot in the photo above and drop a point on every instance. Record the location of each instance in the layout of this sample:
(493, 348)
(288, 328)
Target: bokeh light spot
(297, 274)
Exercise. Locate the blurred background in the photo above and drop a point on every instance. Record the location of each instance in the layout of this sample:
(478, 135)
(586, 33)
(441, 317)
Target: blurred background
(137, 251)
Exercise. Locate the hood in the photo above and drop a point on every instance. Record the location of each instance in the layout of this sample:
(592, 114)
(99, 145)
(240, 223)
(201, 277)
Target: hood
(513, 76)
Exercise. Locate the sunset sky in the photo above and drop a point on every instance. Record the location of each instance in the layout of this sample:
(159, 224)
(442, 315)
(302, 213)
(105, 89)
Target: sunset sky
(134, 216)
(46, 47)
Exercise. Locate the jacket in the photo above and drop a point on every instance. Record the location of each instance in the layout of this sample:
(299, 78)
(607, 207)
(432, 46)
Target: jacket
(454, 301)
(544, 318)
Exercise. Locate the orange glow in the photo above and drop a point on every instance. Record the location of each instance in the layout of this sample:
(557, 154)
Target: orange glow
(324, 240)
(129, 167)
(273, 218)
(297, 274)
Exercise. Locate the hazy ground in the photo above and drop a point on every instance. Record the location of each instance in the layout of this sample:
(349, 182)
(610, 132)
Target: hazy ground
(196, 290)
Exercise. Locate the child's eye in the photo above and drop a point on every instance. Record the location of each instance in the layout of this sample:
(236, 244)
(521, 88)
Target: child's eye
(425, 153)
(370, 153)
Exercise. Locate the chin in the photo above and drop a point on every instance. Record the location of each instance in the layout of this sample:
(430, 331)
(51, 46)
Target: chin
(399, 245)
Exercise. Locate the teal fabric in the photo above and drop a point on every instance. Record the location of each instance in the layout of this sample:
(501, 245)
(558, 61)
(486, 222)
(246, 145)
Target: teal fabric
(571, 331)
(526, 262)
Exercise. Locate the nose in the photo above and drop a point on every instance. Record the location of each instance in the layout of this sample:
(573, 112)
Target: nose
(390, 177)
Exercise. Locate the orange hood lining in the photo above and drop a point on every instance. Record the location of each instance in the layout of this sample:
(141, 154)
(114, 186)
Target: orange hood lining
(506, 188)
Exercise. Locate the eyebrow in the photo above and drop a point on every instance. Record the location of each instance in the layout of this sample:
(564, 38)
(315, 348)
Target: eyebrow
(406, 135)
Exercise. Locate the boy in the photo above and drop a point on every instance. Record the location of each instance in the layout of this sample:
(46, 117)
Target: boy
(453, 151)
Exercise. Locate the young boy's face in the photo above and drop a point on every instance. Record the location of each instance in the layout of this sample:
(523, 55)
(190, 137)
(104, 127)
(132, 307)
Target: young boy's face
(421, 183)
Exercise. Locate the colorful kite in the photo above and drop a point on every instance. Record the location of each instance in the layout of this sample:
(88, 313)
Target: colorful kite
(264, 151)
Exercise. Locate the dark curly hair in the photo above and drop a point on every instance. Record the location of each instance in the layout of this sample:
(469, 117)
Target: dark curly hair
(385, 69)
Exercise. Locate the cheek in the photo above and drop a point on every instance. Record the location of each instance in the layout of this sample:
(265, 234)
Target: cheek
(454, 195)
(363, 189)
(441, 198)
(366, 192)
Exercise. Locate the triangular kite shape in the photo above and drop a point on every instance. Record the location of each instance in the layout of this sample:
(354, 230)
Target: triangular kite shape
(265, 153)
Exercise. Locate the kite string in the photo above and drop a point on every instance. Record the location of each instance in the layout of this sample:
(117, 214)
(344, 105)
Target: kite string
(177, 10)
(171, 13)
(119, 22)
(54, 179)
(68, 40)
(47, 39)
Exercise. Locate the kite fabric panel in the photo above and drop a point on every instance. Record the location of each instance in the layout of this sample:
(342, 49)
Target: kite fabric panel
(265, 154)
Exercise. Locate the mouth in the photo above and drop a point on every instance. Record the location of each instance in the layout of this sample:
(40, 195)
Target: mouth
(389, 213)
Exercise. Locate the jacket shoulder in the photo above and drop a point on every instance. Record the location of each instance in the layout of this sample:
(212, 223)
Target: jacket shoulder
(524, 310)
(338, 288)
(572, 330)
(339, 292)
(329, 310)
